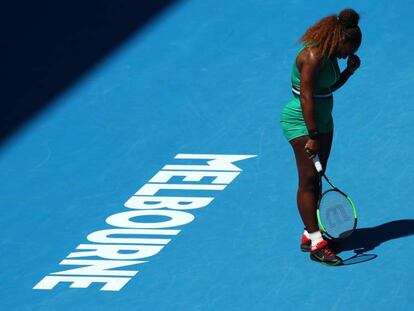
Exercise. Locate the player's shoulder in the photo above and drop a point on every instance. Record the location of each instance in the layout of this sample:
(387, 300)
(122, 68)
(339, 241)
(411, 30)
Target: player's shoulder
(310, 57)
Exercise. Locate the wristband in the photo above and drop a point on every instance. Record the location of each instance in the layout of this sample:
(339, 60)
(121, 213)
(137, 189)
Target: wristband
(313, 134)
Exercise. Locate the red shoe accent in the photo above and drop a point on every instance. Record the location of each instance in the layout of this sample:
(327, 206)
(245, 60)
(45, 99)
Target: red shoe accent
(304, 239)
(320, 245)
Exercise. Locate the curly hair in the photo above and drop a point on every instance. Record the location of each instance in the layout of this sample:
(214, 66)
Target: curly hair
(327, 34)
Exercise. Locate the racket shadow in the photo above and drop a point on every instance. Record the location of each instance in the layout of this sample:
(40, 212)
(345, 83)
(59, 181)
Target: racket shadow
(367, 239)
(359, 258)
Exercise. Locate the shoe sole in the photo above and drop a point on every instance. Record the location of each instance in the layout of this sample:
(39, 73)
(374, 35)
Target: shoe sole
(326, 263)
(305, 249)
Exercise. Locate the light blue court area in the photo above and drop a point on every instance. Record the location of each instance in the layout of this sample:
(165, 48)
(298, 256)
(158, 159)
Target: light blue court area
(186, 107)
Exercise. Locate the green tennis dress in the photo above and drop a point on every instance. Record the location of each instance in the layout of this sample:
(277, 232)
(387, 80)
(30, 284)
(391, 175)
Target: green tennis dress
(291, 118)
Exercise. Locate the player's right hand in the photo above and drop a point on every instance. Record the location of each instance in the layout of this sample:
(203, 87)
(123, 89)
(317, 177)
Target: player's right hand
(312, 148)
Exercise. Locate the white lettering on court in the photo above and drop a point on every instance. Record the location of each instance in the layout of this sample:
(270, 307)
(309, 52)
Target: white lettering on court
(111, 250)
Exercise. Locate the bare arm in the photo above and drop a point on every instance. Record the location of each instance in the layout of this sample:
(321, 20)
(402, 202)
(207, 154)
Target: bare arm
(342, 80)
(310, 65)
(353, 64)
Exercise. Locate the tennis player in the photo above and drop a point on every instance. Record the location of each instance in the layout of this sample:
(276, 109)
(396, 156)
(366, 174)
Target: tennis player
(306, 119)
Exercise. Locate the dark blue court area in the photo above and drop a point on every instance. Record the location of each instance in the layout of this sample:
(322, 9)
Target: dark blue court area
(143, 166)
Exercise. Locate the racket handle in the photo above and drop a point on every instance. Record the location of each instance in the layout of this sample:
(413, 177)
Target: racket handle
(317, 164)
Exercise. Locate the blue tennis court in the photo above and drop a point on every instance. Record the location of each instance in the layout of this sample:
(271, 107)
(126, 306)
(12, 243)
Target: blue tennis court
(151, 172)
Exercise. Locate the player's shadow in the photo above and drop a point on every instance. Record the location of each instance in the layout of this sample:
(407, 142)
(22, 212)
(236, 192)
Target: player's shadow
(367, 239)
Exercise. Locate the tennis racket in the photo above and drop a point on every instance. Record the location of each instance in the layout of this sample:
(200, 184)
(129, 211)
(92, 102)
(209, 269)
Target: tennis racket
(336, 212)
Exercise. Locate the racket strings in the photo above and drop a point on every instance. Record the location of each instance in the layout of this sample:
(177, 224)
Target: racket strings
(336, 214)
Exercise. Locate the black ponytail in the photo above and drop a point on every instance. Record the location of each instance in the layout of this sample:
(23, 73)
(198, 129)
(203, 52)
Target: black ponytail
(349, 20)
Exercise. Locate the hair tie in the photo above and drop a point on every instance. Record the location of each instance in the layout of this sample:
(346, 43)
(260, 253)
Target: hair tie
(339, 21)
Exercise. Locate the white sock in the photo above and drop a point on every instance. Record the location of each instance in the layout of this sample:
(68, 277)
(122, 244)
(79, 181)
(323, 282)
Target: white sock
(306, 234)
(315, 237)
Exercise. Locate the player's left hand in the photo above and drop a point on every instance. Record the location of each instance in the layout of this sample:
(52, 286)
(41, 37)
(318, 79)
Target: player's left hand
(353, 63)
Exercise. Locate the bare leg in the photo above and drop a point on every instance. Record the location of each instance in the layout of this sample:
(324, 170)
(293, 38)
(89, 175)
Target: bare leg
(309, 182)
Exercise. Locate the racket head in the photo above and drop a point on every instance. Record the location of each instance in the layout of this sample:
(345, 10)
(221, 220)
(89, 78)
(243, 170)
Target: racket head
(336, 214)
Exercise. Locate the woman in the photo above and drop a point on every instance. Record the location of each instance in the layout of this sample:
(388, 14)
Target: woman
(307, 120)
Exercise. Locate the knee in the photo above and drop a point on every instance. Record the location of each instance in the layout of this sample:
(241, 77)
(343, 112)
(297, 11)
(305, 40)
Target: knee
(309, 182)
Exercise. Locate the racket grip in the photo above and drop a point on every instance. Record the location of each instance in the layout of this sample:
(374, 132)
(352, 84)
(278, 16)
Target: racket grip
(317, 164)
